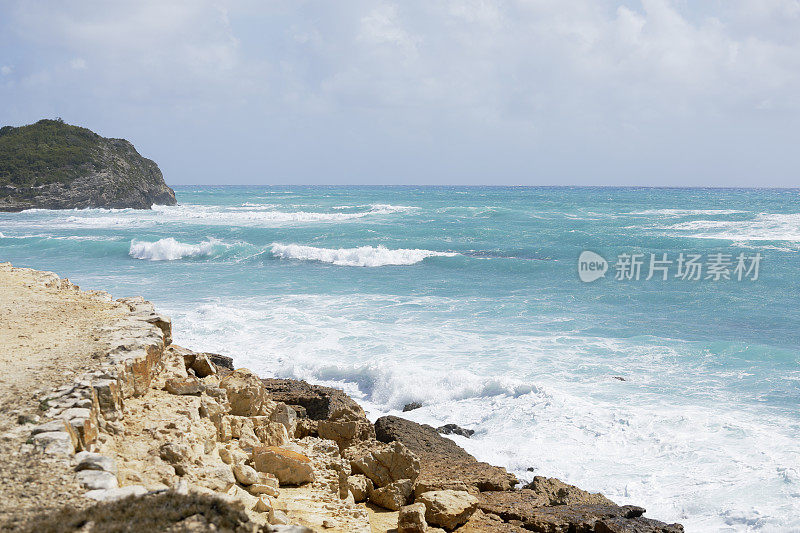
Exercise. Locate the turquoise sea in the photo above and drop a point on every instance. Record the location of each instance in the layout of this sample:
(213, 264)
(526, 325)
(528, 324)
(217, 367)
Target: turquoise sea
(679, 395)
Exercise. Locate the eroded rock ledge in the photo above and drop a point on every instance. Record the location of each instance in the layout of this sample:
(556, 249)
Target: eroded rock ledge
(154, 418)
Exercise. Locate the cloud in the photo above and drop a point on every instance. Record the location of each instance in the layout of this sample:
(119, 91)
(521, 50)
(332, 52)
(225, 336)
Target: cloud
(5, 70)
(519, 75)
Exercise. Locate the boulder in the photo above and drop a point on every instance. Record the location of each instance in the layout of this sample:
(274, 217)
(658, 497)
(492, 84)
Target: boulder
(97, 479)
(55, 442)
(218, 477)
(257, 489)
(481, 522)
(286, 415)
(246, 475)
(453, 429)
(95, 461)
(411, 519)
(383, 463)
(360, 485)
(392, 496)
(222, 362)
(411, 406)
(556, 492)
(178, 455)
(202, 366)
(593, 518)
(183, 387)
(444, 464)
(291, 468)
(448, 508)
(238, 496)
(319, 403)
(246, 394)
(345, 432)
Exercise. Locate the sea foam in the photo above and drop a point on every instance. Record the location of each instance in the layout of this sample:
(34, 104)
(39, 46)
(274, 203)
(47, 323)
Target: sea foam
(169, 249)
(363, 256)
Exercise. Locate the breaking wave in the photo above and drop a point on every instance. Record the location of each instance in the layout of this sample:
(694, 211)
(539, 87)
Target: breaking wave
(363, 256)
(169, 249)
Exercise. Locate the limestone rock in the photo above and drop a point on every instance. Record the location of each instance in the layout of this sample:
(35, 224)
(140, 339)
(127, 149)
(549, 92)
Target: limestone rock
(257, 489)
(189, 385)
(97, 479)
(263, 505)
(448, 508)
(360, 485)
(286, 415)
(318, 402)
(95, 461)
(556, 492)
(412, 519)
(383, 463)
(202, 366)
(290, 467)
(246, 394)
(110, 495)
(345, 432)
(218, 478)
(444, 464)
(241, 497)
(55, 442)
(176, 454)
(392, 496)
(244, 474)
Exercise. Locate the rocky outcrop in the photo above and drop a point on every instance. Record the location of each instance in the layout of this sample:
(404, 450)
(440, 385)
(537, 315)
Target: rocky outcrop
(53, 165)
(443, 464)
(155, 418)
(448, 508)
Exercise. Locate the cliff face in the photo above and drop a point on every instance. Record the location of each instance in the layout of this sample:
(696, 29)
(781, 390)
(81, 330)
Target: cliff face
(53, 165)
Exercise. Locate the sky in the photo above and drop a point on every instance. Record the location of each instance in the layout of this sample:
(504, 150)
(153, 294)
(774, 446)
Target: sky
(515, 92)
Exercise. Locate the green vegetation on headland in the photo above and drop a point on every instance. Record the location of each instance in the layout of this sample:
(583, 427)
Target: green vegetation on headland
(45, 152)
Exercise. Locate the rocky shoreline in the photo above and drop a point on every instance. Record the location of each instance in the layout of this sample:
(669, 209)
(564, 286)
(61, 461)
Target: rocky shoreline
(153, 422)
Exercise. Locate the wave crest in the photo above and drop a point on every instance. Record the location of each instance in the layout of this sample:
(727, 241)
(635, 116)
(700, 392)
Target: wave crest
(169, 249)
(363, 256)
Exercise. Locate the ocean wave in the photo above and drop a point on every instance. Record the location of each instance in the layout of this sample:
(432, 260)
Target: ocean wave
(363, 256)
(169, 249)
(764, 227)
(686, 212)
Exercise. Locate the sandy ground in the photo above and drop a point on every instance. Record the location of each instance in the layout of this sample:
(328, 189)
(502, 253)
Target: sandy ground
(47, 336)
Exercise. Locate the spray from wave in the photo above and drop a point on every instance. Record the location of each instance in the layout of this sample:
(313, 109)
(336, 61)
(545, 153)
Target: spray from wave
(363, 256)
(169, 249)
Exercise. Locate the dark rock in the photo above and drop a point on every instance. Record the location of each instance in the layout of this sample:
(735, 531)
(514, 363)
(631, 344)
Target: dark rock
(620, 378)
(443, 463)
(556, 492)
(319, 402)
(411, 406)
(324, 412)
(593, 519)
(452, 429)
(221, 361)
(561, 507)
(68, 167)
(481, 522)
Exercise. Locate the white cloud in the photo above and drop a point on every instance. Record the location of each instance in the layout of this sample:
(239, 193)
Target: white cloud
(5, 70)
(517, 72)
